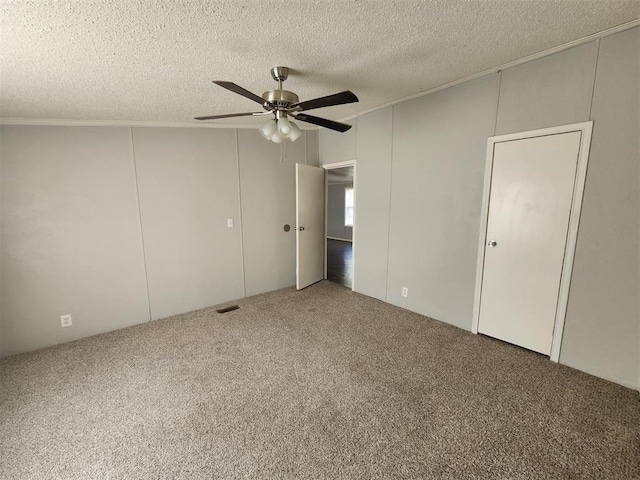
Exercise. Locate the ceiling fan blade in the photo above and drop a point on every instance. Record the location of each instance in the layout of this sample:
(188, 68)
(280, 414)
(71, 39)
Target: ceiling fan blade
(229, 115)
(240, 91)
(322, 122)
(336, 99)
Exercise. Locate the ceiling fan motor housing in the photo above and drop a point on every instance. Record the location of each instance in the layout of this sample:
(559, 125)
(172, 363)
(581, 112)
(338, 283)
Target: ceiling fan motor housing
(281, 99)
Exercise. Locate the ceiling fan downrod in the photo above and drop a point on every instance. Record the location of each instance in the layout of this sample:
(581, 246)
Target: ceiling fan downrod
(279, 74)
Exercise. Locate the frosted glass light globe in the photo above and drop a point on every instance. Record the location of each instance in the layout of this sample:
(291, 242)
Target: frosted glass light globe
(295, 132)
(276, 138)
(284, 127)
(268, 129)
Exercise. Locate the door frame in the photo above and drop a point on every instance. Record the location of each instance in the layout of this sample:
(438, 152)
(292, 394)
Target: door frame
(333, 166)
(586, 129)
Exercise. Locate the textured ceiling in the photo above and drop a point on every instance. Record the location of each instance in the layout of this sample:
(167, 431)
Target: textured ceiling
(153, 60)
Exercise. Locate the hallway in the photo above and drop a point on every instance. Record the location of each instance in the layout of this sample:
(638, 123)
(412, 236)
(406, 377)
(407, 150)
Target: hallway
(340, 262)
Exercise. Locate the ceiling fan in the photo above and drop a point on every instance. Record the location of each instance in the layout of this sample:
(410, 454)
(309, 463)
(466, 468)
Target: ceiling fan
(282, 104)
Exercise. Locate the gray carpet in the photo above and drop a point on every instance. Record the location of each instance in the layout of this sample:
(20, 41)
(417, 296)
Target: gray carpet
(323, 383)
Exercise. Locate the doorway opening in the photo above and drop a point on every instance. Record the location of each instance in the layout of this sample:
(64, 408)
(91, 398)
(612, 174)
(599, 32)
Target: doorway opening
(340, 220)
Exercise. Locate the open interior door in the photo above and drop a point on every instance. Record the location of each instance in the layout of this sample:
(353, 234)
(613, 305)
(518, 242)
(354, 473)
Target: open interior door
(309, 225)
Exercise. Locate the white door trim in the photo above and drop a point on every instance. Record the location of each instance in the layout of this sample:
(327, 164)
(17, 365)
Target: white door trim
(574, 218)
(333, 166)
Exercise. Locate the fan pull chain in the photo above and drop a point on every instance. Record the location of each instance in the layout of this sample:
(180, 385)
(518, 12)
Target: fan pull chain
(283, 151)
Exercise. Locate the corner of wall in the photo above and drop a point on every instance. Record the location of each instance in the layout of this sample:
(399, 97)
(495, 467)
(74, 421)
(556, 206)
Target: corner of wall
(312, 152)
(337, 147)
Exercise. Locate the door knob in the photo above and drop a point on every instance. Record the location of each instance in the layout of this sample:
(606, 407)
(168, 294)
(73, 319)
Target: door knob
(492, 243)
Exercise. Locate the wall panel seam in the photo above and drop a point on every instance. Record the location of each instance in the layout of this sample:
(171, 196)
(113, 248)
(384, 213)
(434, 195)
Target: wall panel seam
(386, 287)
(242, 262)
(495, 123)
(595, 74)
(144, 254)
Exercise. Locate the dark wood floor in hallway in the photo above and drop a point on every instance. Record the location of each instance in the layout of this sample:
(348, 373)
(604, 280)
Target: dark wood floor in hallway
(340, 262)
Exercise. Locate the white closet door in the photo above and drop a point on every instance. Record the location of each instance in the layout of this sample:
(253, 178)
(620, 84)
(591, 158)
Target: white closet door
(532, 186)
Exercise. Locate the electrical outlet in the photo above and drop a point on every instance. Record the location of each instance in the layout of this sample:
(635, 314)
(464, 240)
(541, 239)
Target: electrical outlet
(65, 321)
(405, 291)
(229, 222)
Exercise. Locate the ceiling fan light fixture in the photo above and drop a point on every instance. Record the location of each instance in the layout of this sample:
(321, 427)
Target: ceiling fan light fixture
(284, 127)
(269, 128)
(276, 138)
(295, 132)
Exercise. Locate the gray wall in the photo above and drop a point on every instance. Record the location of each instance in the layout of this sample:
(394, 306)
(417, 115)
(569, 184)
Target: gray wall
(1, 243)
(338, 147)
(554, 90)
(432, 154)
(119, 225)
(373, 185)
(268, 203)
(602, 326)
(439, 145)
(70, 235)
(186, 179)
(335, 211)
